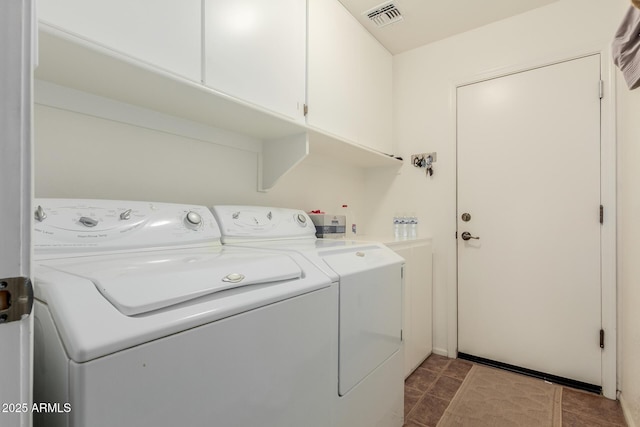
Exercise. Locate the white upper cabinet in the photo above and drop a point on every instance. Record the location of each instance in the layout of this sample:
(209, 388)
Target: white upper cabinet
(239, 65)
(333, 69)
(164, 33)
(375, 99)
(349, 89)
(255, 50)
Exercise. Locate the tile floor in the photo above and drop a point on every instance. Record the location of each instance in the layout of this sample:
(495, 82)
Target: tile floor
(431, 387)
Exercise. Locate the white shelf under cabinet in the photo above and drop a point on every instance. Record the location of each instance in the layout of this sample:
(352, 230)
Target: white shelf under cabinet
(70, 61)
(347, 151)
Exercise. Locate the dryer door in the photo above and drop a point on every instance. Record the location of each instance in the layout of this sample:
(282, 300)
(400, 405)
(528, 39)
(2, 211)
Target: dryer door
(370, 311)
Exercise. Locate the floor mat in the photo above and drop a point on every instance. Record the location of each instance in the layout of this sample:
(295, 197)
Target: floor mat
(493, 397)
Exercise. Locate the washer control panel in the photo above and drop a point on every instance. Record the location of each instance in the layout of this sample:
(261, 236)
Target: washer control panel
(83, 224)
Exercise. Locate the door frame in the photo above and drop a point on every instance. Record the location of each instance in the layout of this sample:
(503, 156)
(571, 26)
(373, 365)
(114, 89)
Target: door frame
(19, 42)
(608, 182)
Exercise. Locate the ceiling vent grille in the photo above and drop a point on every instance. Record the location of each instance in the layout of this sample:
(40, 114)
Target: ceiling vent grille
(384, 14)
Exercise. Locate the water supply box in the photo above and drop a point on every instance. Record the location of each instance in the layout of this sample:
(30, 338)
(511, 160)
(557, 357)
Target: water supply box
(329, 226)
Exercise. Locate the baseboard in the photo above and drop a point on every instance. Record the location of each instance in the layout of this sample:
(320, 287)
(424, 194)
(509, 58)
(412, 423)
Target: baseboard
(440, 352)
(626, 412)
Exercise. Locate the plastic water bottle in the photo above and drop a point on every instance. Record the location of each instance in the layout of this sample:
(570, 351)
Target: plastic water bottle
(397, 234)
(404, 220)
(412, 232)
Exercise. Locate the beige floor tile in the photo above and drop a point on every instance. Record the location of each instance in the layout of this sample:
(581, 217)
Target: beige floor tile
(421, 379)
(592, 406)
(436, 363)
(428, 411)
(411, 397)
(445, 388)
(570, 419)
(458, 369)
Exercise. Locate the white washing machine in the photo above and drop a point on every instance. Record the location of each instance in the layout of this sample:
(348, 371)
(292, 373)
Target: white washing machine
(368, 376)
(143, 319)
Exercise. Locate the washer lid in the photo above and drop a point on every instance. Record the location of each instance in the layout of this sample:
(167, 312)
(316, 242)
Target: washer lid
(140, 284)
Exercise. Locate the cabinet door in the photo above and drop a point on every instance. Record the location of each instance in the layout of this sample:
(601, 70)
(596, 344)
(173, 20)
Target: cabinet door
(421, 303)
(164, 33)
(349, 78)
(256, 51)
(375, 102)
(334, 37)
(417, 306)
(407, 327)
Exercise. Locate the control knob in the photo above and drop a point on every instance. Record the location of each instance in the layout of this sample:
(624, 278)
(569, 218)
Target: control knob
(193, 219)
(301, 219)
(126, 215)
(87, 221)
(40, 214)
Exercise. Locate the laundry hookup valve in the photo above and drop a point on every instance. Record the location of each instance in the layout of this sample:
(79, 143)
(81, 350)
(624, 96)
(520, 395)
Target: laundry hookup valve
(424, 160)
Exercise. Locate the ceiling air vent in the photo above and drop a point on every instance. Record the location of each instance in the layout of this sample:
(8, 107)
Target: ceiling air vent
(384, 14)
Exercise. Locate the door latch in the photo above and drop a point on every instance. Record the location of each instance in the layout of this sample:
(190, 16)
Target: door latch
(467, 236)
(16, 299)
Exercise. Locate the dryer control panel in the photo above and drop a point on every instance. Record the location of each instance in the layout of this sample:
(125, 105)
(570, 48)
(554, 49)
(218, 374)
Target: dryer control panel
(80, 225)
(260, 223)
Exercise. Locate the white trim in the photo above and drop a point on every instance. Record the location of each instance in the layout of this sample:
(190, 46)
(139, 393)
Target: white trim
(17, 41)
(64, 98)
(452, 268)
(626, 412)
(203, 42)
(608, 198)
(544, 61)
(608, 242)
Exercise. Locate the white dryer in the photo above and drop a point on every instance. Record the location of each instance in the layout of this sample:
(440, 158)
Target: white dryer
(143, 318)
(368, 376)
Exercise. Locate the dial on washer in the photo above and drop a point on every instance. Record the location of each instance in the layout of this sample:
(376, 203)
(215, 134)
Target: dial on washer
(301, 220)
(193, 219)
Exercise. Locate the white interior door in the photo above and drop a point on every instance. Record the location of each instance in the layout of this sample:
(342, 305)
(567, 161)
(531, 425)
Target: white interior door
(529, 289)
(15, 212)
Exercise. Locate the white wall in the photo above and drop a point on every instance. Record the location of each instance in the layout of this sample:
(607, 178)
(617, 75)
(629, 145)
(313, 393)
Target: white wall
(79, 155)
(424, 121)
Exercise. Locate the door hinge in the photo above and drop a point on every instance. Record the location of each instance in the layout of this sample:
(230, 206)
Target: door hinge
(402, 272)
(601, 88)
(601, 214)
(456, 234)
(601, 338)
(305, 109)
(16, 299)
(401, 338)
